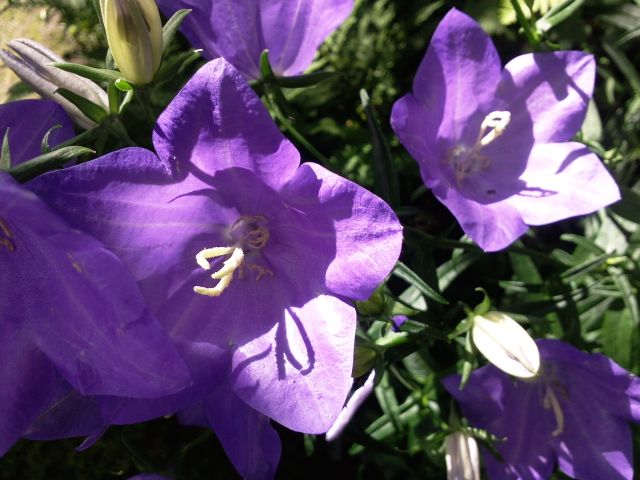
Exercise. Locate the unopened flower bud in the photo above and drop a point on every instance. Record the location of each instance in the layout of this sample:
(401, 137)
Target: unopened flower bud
(31, 62)
(134, 33)
(354, 402)
(461, 456)
(506, 344)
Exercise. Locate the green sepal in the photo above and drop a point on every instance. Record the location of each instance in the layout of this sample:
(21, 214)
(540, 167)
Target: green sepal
(5, 153)
(94, 74)
(44, 145)
(122, 85)
(90, 109)
(484, 306)
(171, 27)
(48, 161)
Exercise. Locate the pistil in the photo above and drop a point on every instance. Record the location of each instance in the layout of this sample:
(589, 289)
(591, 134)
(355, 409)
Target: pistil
(224, 274)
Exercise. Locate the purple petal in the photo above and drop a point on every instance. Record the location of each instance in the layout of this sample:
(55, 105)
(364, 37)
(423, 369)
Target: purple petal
(594, 445)
(293, 30)
(457, 77)
(356, 399)
(26, 377)
(126, 199)
(25, 133)
(547, 94)
(250, 441)
(239, 30)
(416, 126)
(299, 372)
(563, 180)
(81, 305)
(492, 226)
(217, 122)
(360, 230)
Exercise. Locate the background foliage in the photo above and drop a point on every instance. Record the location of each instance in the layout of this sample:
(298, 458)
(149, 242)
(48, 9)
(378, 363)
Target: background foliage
(577, 280)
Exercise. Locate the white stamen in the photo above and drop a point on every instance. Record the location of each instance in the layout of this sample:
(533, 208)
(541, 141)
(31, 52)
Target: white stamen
(497, 122)
(551, 401)
(224, 274)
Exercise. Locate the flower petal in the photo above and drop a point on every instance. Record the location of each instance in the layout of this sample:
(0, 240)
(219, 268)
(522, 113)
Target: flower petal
(26, 378)
(82, 306)
(457, 77)
(239, 30)
(294, 29)
(563, 180)
(358, 229)
(25, 135)
(215, 122)
(250, 441)
(547, 94)
(299, 372)
(492, 226)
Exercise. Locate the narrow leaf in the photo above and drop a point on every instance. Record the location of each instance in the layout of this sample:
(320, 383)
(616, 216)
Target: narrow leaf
(49, 161)
(95, 74)
(406, 274)
(5, 153)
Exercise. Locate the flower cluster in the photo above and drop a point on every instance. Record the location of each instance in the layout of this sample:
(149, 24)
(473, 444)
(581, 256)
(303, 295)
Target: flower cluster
(214, 277)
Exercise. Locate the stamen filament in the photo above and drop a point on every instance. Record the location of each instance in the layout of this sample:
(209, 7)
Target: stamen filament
(551, 401)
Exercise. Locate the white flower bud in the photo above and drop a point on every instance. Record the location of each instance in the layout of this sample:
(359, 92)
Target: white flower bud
(462, 457)
(506, 344)
(134, 33)
(30, 61)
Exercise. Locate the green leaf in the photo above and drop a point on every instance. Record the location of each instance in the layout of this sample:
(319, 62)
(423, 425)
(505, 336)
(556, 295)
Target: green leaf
(557, 15)
(5, 153)
(389, 403)
(575, 273)
(95, 74)
(90, 109)
(171, 27)
(406, 274)
(619, 338)
(624, 64)
(48, 161)
(385, 175)
(306, 80)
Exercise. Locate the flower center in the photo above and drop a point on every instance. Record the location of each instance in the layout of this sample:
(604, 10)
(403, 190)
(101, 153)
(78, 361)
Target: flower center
(249, 235)
(6, 237)
(465, 160)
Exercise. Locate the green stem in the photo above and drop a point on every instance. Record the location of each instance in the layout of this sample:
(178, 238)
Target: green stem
(144, 97)
(531, 35)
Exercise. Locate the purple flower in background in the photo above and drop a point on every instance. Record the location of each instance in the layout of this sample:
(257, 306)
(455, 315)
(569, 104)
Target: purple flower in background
(493, 144)
(72, 316)
(574, 414)
(27, 122)
(246, 256)
(239, 30)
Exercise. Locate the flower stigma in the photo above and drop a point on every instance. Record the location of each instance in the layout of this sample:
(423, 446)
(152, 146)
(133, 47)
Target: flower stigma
(6, 236)
(465, 160)
(250, 234)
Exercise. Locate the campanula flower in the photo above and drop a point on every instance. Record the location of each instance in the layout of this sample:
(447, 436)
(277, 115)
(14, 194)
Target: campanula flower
(247, 257)
(239, 30)
(573, 415)
(494, 144)
(72, 316)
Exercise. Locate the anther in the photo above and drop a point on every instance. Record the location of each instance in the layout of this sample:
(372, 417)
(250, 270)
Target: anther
(224, 274)
(495, 123)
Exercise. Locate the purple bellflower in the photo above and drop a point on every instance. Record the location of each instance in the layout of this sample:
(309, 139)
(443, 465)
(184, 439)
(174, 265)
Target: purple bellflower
(247, 258)
(71, 315)
(239, 30)
(574, 415)
(493, 145)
